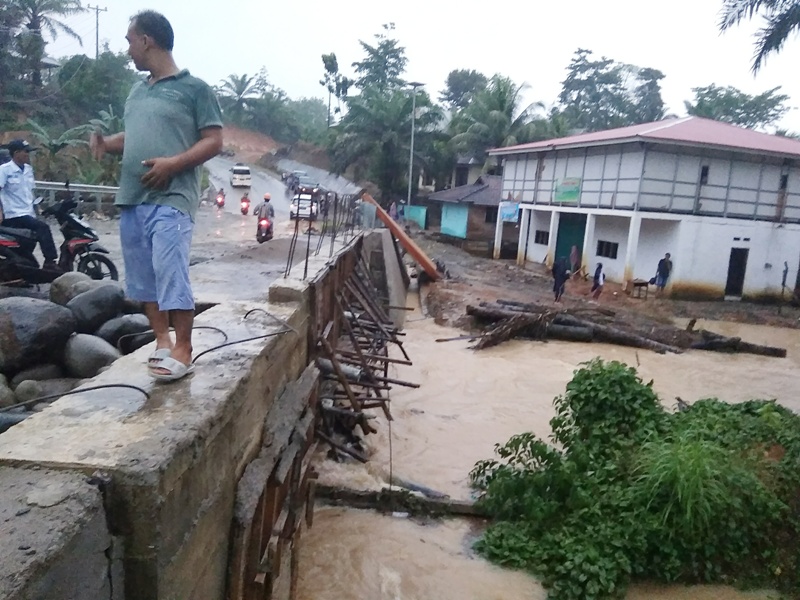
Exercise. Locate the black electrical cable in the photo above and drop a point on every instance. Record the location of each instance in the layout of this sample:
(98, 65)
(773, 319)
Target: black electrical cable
(269, 314)
(250, 339)
(133, 335)
(78, 391)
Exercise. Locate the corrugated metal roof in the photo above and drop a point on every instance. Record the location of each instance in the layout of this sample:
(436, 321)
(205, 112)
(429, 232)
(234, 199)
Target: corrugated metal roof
(486, 191)
(687, 131)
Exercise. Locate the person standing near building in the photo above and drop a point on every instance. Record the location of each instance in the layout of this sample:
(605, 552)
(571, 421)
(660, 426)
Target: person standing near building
(173, 124)
(560, 275)
(16, 196)
(598, 281)
(663, 271)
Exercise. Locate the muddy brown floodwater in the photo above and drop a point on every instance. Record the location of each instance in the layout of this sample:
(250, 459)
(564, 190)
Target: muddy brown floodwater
(469, 401)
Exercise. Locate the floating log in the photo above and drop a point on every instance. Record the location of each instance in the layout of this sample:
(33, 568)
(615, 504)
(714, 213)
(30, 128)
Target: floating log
(507, 329)
(397, 500)
(568, 333)
(600, 333)
(612, 335)
(720, 343)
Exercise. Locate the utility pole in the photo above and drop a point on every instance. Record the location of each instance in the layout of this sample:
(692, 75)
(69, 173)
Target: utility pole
(97, 10)
(413, 85)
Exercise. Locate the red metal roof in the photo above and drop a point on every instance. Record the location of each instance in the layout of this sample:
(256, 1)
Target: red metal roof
(689, 131)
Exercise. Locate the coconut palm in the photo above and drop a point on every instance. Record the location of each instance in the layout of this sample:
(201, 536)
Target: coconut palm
(236, 91)
(374, 136)
(782, 19)
(494, 118)
(40, 17)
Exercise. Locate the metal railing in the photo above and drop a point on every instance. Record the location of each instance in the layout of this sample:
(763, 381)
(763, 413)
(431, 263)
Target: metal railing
(81, 192)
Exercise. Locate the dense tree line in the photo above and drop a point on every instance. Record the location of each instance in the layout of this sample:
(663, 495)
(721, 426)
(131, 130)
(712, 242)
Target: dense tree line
(476, 112)
(365, 121)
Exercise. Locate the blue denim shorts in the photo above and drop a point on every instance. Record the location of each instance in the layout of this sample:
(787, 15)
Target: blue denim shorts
(155, 247)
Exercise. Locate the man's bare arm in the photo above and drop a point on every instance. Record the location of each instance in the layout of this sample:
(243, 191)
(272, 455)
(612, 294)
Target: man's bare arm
(162, 169)
(100, 145)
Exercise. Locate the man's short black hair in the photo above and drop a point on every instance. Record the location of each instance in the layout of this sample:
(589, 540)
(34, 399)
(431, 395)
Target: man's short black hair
(156, 26)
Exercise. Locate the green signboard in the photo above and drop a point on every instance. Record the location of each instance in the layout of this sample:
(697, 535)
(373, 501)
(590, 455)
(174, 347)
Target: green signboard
(568, 189)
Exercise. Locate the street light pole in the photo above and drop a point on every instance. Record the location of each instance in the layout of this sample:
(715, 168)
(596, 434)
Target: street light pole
(414, 85)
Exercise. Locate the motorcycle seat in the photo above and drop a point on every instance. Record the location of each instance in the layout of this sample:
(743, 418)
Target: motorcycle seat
(18, 232)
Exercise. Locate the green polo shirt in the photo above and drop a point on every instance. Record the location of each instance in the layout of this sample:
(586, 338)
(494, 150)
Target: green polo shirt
(164, 119)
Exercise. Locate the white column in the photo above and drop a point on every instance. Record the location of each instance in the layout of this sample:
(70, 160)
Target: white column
(498, 232)
(588, 244)
(551, 242)
(527, 215)
(632, 249)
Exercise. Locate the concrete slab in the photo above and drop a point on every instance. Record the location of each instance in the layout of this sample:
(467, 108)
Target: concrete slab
(98, 429)
(53, 537)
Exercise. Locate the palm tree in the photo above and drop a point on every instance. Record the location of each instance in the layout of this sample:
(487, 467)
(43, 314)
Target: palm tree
(494, 119)
(236, 90)
(782, 19)
(40, 17)
(374, 136)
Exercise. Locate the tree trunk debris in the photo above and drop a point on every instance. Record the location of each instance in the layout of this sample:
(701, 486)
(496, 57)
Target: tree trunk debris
(508, 319)
(397, 500)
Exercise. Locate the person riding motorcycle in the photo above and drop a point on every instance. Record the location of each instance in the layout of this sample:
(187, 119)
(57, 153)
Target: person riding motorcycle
(265, 210)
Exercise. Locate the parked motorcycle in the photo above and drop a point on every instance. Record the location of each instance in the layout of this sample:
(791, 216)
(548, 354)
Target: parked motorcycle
(245, 205)
(81, 243)
(80, 250)
(264, 231)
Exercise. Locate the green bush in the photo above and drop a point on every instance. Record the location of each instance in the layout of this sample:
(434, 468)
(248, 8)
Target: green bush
(709, 494)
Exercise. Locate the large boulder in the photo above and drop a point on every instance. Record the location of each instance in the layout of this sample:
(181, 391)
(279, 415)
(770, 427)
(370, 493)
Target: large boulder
(85, 355)
(95, 307)
(7, 397)
(114, 329)
(37, 373)
(32, 332)
(65, 287)
(28, 390)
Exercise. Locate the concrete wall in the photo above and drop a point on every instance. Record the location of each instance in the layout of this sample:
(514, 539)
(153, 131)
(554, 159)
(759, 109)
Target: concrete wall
(173, 460)
(610, 229)
(703, 251)
(54, 542)
(656, 238)
(540, 221)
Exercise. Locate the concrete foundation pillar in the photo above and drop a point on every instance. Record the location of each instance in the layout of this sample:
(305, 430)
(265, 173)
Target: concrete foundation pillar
(553, 236)
(588, 244)
(631, 251)
(524, 230)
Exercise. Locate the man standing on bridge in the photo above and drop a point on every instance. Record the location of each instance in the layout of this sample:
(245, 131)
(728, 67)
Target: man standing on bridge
(173, 124)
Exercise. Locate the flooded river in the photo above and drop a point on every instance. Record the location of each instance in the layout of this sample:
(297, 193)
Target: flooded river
(468, 402)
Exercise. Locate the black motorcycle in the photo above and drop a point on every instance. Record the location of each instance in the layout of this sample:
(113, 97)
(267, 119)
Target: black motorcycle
(79, 251)
(264, 230)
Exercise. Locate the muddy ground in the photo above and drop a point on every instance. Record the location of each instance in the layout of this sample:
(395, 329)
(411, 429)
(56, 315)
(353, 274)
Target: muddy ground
(473, 279)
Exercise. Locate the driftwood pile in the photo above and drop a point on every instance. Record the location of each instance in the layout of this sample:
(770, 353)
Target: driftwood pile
(508, 319)
(353, 357)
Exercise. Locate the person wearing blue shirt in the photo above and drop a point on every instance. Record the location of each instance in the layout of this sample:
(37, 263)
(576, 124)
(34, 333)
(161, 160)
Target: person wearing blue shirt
(16, 196)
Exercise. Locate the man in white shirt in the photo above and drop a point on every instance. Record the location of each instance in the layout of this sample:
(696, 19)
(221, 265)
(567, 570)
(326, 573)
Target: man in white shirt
(16, 197)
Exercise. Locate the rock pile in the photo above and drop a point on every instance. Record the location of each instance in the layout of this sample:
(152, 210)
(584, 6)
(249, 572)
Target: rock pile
(50, 347)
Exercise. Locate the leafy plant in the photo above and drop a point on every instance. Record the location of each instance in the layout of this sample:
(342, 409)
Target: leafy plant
(709, 494)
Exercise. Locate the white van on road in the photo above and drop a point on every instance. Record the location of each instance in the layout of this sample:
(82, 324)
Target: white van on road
(240, 176)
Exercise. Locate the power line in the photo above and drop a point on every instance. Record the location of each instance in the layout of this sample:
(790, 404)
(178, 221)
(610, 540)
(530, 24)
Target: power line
(97, 10)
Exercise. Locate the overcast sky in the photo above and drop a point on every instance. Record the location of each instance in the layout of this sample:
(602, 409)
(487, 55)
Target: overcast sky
(530, 41)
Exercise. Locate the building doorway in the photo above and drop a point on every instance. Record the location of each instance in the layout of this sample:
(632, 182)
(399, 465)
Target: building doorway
(571, 230)
(737, 265)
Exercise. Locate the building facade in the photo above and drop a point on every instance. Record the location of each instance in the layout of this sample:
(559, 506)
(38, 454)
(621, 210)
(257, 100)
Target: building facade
(722, 200)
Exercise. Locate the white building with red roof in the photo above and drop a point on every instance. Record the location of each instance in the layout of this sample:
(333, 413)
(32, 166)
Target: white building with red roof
(722, 200)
